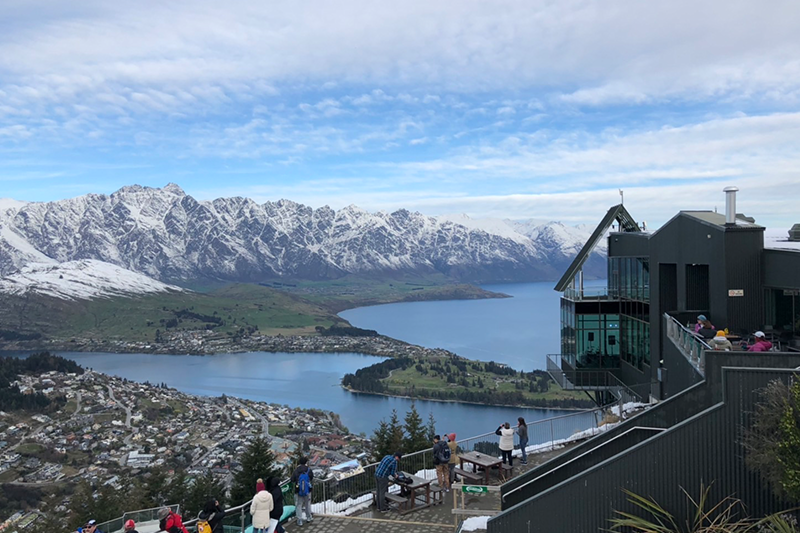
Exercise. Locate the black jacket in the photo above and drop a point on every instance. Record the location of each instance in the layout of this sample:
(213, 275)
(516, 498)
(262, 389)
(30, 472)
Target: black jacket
(436, 447)
(274, 488)
(214, 514)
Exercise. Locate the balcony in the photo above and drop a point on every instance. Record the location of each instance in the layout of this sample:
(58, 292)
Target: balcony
(588, 294)
(569, 377)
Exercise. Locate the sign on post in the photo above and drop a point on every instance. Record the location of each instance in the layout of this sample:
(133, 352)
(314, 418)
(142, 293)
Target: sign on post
(475, 489)
(735, 292)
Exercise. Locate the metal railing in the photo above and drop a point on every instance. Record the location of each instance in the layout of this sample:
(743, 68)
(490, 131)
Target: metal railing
(142, 515)
(350, 494)
(690, 345)
(590, 380)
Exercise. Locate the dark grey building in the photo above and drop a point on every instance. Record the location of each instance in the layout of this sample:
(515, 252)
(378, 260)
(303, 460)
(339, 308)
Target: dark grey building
(634, 339)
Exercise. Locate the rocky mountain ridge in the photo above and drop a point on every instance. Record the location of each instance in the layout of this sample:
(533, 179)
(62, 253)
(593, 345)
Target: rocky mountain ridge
(168, 235)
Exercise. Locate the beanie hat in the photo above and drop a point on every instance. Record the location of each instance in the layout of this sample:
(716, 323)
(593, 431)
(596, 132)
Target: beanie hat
(260, 486)
(130, 524)
(701, 317)
(452, 437)
(720, 333)
(163, 512)
(759, 334)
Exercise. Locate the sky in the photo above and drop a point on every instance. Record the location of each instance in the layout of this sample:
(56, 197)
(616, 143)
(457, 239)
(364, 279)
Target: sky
(497, 109)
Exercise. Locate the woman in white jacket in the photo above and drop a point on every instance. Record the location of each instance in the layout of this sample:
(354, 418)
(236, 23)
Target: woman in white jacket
(260, 508)
(506, 442)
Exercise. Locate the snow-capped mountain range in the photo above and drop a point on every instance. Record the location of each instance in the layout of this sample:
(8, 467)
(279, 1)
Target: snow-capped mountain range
(167, 235)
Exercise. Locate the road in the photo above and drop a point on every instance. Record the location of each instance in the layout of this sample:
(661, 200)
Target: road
(78, 399)
(128, 416)
(264, 421)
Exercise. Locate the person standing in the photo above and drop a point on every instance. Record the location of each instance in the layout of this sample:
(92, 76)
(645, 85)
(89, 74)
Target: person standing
(522, 431)
(213, 514)
(302, 477)
(451, 464)
(260, 508)
(506, 442)
(170, 521)
(441, 458)
(274, 488)
(384, 473)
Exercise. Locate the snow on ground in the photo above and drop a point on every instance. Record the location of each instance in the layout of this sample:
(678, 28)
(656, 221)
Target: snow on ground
(81, 280)
(474, 523)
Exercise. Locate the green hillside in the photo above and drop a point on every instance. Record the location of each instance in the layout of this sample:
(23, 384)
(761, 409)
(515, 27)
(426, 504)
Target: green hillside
(225, 311)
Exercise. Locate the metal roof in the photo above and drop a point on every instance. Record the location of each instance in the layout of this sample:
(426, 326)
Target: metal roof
(627, 224)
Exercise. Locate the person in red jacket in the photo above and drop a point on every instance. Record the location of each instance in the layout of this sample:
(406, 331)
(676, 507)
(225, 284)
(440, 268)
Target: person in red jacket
(170, 522)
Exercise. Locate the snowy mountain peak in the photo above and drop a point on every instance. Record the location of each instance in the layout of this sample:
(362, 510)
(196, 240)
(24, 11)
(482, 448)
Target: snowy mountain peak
(168, 235)
(81, 280)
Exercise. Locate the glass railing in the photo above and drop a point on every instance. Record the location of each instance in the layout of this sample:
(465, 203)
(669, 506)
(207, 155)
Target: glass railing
(590, 293)
(591, 380)
(690, 344)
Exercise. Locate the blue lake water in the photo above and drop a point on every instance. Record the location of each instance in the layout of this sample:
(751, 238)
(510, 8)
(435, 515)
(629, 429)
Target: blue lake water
(518, 331)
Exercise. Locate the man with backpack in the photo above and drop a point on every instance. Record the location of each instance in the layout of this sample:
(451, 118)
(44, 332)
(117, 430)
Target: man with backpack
(441, 460)
(170, 521)
(302, 477)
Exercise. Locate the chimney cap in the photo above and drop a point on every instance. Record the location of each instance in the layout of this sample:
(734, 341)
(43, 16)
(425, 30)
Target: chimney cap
(731, 188)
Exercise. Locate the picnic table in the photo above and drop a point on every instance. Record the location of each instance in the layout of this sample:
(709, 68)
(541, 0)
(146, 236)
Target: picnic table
(479, 460)
(419, 492)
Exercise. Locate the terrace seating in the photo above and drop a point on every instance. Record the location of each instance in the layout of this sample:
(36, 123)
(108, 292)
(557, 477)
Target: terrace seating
(472, 477)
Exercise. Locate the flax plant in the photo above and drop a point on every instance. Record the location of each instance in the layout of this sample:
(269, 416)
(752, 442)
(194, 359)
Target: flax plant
(725, 516)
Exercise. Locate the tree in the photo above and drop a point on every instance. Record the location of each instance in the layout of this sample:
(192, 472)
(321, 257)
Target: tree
(395, 434)
(773, 440)
(101, 504)
(256, 461)
(202, 489)
(416, 437)
(380, 441)
(430, 430)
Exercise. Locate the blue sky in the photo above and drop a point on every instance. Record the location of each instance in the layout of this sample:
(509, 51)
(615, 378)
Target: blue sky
(511, 109)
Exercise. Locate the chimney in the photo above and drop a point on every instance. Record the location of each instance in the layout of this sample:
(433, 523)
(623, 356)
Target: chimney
(730, 205)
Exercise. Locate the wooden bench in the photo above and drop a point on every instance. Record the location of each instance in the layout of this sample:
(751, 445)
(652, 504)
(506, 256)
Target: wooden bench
(506, 471)
(437, 494)
(472, 477)
(399, 501)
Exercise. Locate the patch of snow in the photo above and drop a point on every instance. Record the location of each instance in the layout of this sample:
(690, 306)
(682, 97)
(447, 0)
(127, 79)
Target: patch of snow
(492, 226)
(21, 244)
(82, 280)
(475, 523)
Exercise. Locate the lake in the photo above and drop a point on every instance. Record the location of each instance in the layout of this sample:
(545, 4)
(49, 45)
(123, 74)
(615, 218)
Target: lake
(518, 331)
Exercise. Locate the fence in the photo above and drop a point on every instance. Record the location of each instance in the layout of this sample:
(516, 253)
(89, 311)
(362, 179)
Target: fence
(349, 494)
(693, 348)
(142, 515)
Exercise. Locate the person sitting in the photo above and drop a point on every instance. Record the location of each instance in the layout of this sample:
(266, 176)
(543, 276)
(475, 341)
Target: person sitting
(761, 344)
(721, 342)
(704, 327)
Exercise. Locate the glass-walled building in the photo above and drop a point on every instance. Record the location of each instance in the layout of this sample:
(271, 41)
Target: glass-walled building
(629, 278)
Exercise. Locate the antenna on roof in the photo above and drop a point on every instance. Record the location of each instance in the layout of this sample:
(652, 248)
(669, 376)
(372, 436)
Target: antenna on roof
(621, 197)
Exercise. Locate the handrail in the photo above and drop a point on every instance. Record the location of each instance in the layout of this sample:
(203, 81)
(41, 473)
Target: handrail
(587, 452)
(691, 345)
(242, 508)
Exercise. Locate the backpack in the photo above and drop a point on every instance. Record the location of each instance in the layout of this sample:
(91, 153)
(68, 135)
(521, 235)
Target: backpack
(443, 455)
(303, 484)
(203, 526)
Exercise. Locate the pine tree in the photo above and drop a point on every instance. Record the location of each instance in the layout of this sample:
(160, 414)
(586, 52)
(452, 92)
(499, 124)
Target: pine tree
(416, 433)
(430, 430)
(203, 488)
(380, 441)
(257, 461)
(394, 442)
